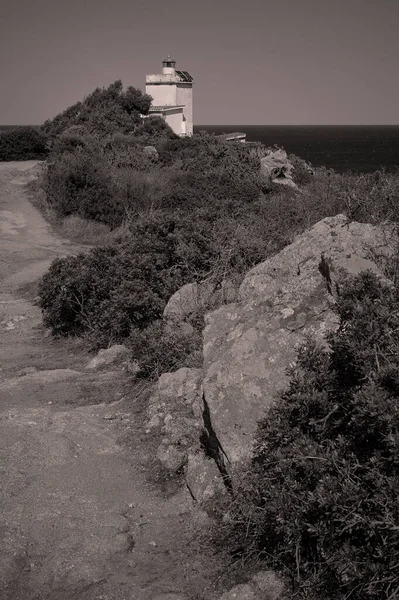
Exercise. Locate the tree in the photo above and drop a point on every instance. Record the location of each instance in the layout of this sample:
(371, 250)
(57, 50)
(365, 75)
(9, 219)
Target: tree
(103, 112)
(23, 143)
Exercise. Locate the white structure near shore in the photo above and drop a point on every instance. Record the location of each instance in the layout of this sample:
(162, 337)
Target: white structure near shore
(172, 93)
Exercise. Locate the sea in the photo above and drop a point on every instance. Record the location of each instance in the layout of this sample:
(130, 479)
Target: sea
(358, 148)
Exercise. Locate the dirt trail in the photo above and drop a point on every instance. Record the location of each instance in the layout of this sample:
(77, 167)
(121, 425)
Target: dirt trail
(78, 517)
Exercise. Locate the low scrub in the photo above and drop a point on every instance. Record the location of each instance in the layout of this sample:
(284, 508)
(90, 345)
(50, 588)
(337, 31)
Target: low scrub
(103, 112)
(319, 501)
(114, 290)
(85, 231)
(23, 143)
(80, 182)
(163, 347)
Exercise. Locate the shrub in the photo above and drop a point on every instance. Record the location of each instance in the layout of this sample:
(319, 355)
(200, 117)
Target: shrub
(123, 151)
(103, 112)
(161, 348)
(80, 182)
(23, 143)
(154, 130)
(208, 154)
(303, 172)
(319, 500)
(114, 290)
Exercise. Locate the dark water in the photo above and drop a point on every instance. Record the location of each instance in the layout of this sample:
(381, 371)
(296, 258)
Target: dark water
(362, 148)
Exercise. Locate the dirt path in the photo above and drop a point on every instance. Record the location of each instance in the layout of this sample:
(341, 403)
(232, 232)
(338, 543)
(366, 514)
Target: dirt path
(78, 518)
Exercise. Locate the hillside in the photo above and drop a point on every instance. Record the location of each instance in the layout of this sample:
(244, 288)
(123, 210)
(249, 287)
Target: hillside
(250, 303)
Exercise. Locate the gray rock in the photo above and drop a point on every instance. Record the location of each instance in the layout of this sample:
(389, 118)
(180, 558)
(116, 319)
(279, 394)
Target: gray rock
(277, 168)
(270, 584)
(109, 356)
(154, 422)
(182, 388)
(27, 371)
(243, 591)
(202, 477)
(171, 457)
(249, 345)
(151, 151)
(187, 300)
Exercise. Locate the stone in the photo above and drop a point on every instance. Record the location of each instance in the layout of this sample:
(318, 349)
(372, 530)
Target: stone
(179, 429)
(277, 168)
(154, 422)
(109, 356)
(151, 151)
(270, 584)
(249, 344)
(174, 390)
(27, 371)
(345, 245)
(242, 591)
(203, 478)
(171, 457)
(176, 404)
(187, 300)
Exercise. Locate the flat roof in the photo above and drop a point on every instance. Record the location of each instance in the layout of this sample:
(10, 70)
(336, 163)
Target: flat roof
(165, 107)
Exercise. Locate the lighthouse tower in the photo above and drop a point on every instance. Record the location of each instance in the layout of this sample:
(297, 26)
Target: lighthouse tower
(172, 93)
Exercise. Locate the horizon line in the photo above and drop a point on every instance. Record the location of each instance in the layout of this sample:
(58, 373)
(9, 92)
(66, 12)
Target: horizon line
(299, 125)
(250, 125)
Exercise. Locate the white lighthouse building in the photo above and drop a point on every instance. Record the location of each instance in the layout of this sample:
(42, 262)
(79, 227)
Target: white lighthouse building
(172, 93)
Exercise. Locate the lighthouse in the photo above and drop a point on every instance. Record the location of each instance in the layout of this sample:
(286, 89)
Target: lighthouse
(172, 93)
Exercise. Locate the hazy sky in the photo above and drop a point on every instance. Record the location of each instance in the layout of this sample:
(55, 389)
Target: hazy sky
(253, 61)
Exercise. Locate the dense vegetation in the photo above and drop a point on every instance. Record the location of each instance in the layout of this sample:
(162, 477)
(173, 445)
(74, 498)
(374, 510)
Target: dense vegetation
(192, 210)
(319, 500)
(23, 143)
(105, 111)
(182, 210)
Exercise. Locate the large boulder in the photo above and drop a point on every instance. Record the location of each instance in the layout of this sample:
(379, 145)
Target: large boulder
(189, 298)
(276, 167)
(248, 345)
(192, 297)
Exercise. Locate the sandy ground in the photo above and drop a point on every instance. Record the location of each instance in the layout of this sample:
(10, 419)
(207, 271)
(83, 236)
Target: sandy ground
(78, 518)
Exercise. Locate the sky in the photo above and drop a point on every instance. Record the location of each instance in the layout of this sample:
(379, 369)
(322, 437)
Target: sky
(254, 62)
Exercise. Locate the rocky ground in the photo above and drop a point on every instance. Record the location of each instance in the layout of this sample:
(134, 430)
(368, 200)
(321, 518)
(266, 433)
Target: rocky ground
(79, 517)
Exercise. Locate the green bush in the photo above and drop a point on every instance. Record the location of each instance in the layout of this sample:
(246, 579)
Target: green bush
(103, 112)
(23, 143)
(303, 172)
(154, 130)
(124, 151)
(320, 498)
(161, 348)
(209, 154)
(80, 182)
(111, 291)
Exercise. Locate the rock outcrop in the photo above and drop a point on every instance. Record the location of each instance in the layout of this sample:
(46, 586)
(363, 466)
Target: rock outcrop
(192, 297)
(175, 410)
(116, 354)
(276, 167)
(248, 345)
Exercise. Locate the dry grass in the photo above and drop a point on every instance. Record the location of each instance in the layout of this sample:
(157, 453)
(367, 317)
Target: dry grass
(83, 231)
